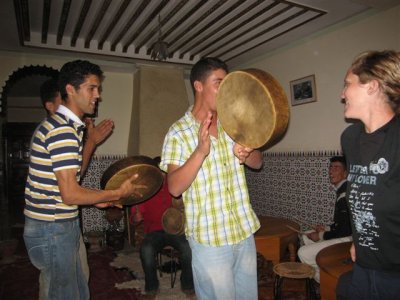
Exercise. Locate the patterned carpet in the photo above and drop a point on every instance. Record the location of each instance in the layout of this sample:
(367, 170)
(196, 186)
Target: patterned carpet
(114, 279)
(292, 289)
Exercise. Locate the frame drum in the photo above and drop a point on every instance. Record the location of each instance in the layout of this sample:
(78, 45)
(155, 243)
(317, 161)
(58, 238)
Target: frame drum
(173, 221)
(252, 107)
(149, 175)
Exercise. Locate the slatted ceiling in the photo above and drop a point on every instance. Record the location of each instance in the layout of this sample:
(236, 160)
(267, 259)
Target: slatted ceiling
(184, 43)
(237, 52)
(113, 23)
(238, 42)
(163, 21)
(194, 22)
(128, 25)
(191, 28)
(191, 14)
(96, 24)
(243, 45)
(23, 20)
(152, 16)
(189, 33)
(235, 27)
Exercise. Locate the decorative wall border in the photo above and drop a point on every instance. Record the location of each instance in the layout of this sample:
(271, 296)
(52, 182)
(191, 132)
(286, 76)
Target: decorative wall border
(294, 185)
(93, 218)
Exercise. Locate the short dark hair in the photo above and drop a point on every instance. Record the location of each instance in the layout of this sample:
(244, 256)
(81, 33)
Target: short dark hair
(157, 159)
(75, 73)
(340, 159)
(49, 91)
(203, 67)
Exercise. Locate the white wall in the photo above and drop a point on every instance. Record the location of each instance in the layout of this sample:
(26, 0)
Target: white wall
(116, 104)
(328, 54)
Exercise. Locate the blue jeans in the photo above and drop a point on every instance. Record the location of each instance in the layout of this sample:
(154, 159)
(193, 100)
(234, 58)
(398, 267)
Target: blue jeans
(368, 284)
(225, 272)
(53, 249)
(152, 244)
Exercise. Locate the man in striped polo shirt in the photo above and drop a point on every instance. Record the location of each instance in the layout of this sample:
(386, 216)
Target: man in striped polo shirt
(53, 193)
(207, 167)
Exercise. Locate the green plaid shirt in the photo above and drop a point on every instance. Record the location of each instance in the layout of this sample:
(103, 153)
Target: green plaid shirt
(217, 205)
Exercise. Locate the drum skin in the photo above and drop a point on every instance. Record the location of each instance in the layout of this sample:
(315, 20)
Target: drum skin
(149, 175)
(252, 108)
(173, 221)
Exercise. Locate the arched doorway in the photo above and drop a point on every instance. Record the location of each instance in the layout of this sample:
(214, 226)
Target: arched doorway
(21, 111)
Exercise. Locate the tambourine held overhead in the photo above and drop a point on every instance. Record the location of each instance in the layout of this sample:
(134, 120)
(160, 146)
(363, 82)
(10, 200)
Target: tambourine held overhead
(252, 107)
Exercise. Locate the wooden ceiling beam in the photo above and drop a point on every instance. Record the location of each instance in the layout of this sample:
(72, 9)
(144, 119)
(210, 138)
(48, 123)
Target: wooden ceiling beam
(63, 20)
(46, 20)
(128, 25)
(22, 15)
(208, 25)
(153, 15)
(164, 21)
(189, 14)
(81, 20)
(114, 21)
(96, 22)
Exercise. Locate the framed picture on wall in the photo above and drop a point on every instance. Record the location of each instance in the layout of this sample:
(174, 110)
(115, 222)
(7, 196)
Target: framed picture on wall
(303, 90)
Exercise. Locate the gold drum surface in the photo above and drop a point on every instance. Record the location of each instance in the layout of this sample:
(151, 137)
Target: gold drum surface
(149, 175)
(173, 221)
(252, 107)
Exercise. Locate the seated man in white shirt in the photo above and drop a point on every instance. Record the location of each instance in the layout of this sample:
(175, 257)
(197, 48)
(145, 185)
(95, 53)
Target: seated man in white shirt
(340, 231)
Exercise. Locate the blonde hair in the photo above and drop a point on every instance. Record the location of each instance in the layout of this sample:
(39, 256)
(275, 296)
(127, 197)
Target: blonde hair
(384, 67)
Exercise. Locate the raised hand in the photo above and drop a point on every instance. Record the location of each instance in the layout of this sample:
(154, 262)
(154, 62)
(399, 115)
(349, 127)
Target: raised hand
(97, 134)
(204, 136)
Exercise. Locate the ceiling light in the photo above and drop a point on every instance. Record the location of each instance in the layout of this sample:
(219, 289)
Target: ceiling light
(160, 48)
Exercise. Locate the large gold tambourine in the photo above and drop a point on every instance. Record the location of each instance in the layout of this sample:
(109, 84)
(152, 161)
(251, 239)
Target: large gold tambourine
(252, 107)
(149, 175)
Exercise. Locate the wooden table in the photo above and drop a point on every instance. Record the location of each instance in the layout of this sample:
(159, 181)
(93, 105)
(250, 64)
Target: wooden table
(274, 238)
(333, 261)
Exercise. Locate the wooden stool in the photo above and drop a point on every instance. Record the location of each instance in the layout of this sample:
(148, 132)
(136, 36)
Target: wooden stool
(294, 270)
(174, 255)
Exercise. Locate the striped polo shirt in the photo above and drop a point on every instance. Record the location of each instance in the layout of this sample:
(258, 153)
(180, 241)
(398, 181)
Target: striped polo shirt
(56, 145)
(217, 205)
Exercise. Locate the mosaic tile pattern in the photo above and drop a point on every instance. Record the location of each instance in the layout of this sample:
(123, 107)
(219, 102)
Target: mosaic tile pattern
(93, 218)
(294, 185)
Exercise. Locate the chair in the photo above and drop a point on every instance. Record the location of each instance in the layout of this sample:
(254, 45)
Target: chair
(174, 256)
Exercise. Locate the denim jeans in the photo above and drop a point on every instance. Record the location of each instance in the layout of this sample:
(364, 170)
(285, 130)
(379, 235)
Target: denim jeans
(225, 272)
(53, 249)
(368, 284)
(152, 244)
